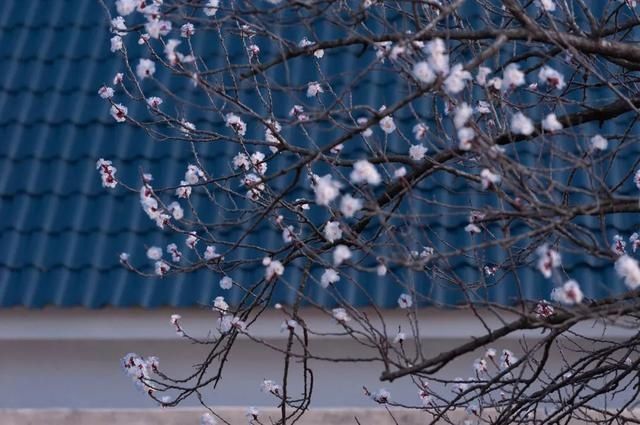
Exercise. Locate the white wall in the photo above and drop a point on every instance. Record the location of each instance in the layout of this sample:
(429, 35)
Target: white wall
(70, 358)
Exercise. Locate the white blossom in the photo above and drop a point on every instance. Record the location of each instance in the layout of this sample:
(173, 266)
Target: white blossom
(126, 7)
(381, 396)
(161, 268)
(175, 57)
(405, 301)
(118, 78)
(237, 323)
(116, 43)
(381, 270)
(465, 137)
(235, 123)
(332, 231)
(387, 125)
(329, 276)
(175, 319)
(289, 325)
(187, 30)
(224, 323)
(512, 77)
(298, 112)
(489, 178)
(156, 28)
(252, 413)
(340, 314)
(271, 137)
(106, 92)
(305, 42)
(365, 172)
(550, 123)
(273, 268)
(400, 172)
(269, 386)
(184, 190)
(417, 152)
(636, 179)
(210, 253)
(241, 160)
(483, 73)
(154, 102)
(119, 112)
(544, 310)
(191, 240)
(619, 245)
(154, 253)
(176, 255)
(254, 184)
(598, 142)
(211, 8)
(420, 131)
(176, 210)
(350, 205)
(507, 359)
(208, 419)
(455, 82)
(193, 174)
(220, 304)
(495, 83)
(628, 269)
(483, 107)
(472, 228)
(423, 72)
(462, 115)
(314, 88)
(144, 38)
(480, 366)
(288, 234)
(438, 57)
(425, 397)
(258, 162)
(548, 5)
(226, 282)
(118, 26)
(187, 127)
(569, 293)
(521, 124)
(551, 77)
(548, 259)
(254, 50)
(107, 173)
(367, 132)
(326, 189)
(140, 369)
(635, 241)
(341, 253)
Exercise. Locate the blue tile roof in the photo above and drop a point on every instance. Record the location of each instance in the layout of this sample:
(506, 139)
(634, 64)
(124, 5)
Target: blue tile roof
(62, 232)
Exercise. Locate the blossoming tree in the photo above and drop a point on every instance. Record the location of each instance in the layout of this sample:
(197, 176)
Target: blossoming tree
(499, 103)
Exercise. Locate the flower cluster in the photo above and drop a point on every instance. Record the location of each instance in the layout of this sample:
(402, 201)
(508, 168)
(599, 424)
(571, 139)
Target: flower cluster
(107, 173)
(140, 370)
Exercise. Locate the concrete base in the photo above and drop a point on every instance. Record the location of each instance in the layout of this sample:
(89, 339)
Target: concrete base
(234, 415)
(182, 416)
